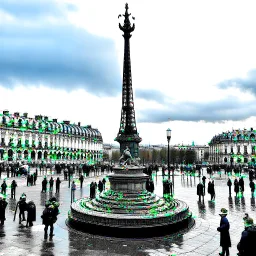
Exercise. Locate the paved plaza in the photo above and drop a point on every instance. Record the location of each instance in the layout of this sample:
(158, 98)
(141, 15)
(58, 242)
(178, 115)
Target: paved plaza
(202, 239)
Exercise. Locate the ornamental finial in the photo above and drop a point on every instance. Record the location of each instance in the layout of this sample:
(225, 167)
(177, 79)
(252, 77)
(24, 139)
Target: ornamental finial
(126, 28)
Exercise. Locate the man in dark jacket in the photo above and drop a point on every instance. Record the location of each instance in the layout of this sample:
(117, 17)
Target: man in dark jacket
(49, 218)
(22, 204)
(31, 209)
(3, 186)
(241, 185)
(58, 185)
(3, 205)
(44, 185)
(252, 186)
(225, 241)
(229, 184)
(246, 246)
(51, 183)
(13, 189)
(81, 178)
(200, 191)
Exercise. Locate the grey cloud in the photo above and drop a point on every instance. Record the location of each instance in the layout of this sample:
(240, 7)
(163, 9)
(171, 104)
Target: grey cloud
(151, 94)
(217, 111)
(55, 55)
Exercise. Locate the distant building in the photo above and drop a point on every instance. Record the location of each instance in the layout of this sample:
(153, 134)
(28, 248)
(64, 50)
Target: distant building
(200, 150)
(233, 147)
(41, 139)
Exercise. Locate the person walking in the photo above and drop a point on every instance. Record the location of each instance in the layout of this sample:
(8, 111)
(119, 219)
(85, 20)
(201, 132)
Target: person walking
(241, 185)
(3, 205)
(22, 204)
(100, 186)
(91, 190)
(51, 181)
(81, 178)
(49, 218)
(252, 186)
(44, 185)
(200, 191)
(236, 187)
(3, 186)
(35, 178)
(204, 179)
(225, 241)
(31, 216)
(13, 189)
(28, 180)
(73, 189)
(212, 191)
(104, 183)
(229, 184)
(58, 185)
(246, 246)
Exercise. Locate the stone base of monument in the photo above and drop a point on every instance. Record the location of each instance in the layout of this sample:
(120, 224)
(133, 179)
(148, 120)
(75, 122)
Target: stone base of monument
(128, 210)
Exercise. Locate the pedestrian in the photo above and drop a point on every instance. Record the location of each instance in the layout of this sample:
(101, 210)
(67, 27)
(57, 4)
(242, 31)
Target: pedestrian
(51, 181)
(151, 186)
(73, 189)
(250, 174)
(100, 186)
(200, 191)
(209, 187)
(229, 184)
(13, 189)
(204, 179)
(241, 185)
(236, 187)
(35, 178)
(246, 246)
(44, 185)
(81, 178)
(49, 218)
(91, 190)
(104, 183)
(22, 204)
(252, 186)
(58, 185)
(212, 191)
(28, 180)
(225, 241)
(3, 188)
(31, 216)
(3, 205)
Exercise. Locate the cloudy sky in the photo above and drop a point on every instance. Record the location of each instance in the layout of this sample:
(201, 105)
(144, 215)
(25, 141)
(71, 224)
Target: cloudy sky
(193, 64)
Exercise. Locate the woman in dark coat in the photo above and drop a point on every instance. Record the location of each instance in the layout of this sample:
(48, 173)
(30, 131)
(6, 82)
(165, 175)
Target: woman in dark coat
(236, 186)
(225, 241)
(31, 209)
(3, 205)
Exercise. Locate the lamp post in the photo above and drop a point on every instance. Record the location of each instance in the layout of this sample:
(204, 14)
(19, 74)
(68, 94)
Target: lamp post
(168, 134)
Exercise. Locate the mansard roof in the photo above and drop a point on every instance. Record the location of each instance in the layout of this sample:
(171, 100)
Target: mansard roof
(235, 135)
(43, 124)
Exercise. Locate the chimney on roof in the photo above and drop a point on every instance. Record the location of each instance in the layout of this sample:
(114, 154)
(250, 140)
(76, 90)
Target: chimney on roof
(25, 115)
(6, 112)
(66, 122)
(79, 124)
(16, 114)
(55, 120)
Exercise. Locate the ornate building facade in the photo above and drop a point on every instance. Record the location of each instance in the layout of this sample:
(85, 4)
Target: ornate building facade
(233, 147)
(41, 139)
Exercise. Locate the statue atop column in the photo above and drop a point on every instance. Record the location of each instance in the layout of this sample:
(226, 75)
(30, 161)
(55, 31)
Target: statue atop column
(127, 159)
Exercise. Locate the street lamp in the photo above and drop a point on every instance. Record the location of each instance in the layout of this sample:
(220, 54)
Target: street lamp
(168, 134)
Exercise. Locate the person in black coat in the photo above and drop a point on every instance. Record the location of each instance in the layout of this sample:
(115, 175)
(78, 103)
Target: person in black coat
(212, 191)
(49, 218)
(241, 185)
(252, 186)
(3, 205)
(100, 186)
(51, 181)
(246, 246)
(58, 185)
(34, 178)
(92, 190)
(225, 241)
(81, 178)
(22, 204)
(13, 189)
(104, 183)
(203, 179)
(200, 191)
(229, 184)
(236, 186)
(44, 185)
(3, 186)
(31, 209)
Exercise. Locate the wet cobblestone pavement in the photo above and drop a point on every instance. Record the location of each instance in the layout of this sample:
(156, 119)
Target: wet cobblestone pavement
(202, 239)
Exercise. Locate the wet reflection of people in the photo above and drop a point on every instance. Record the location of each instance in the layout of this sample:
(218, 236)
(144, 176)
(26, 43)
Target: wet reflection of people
(230, 204)
(211, 206)
(201, 210)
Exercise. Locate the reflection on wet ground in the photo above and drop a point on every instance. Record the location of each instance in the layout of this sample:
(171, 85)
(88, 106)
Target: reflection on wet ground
(202, 239)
